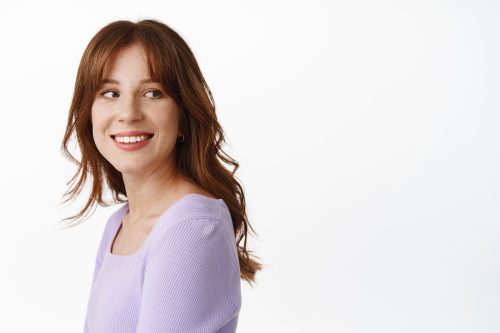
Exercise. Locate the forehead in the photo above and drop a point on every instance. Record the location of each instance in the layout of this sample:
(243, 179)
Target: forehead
(114, 81)
(126, 64)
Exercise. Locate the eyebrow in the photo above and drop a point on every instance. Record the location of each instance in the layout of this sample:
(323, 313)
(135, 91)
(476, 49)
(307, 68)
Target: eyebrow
(107, 80)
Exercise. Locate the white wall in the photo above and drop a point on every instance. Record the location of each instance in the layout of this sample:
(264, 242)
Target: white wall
(368, 138)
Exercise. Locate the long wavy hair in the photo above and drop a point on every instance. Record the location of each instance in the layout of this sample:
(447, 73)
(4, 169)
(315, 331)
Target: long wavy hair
(172, 64)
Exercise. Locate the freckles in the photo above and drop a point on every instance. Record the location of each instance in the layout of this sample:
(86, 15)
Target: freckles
(99, 115)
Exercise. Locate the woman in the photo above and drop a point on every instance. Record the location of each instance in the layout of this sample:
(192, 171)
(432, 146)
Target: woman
(170, 258)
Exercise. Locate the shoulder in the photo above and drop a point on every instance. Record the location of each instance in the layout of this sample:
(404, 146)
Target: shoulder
(191, 274)
(193, 206)
(195, 219)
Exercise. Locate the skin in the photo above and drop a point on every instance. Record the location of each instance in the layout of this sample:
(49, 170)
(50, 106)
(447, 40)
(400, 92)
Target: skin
(151, 181)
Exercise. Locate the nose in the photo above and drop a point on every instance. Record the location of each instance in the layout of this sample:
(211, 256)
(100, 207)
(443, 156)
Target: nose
(129, 110)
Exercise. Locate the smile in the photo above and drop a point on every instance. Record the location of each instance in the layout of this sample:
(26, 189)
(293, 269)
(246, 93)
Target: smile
(132, 139)
(132, 143)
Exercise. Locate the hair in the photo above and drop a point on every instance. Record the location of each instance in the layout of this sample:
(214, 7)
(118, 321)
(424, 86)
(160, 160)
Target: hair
(172, 64)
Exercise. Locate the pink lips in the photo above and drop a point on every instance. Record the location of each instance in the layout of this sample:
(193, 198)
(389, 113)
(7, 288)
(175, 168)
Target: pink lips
(132, 146)
(132, 133)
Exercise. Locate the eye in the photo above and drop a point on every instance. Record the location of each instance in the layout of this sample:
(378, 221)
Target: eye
(108, 91)
(155, 91)
(158, 92)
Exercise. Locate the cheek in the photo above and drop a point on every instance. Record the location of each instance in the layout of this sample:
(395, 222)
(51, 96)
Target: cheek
(165, 120)
(99, 124)
(173, 119)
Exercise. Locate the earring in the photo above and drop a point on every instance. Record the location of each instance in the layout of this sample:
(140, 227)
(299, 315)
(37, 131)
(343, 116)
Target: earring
(180, 138)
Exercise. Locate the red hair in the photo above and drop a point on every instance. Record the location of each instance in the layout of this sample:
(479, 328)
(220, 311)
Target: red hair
(172, 63)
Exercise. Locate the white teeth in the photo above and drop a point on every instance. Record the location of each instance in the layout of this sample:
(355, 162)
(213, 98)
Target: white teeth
(130, 139)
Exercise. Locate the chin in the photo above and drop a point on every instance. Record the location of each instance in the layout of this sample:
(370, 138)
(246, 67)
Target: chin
(131, 170)
(129, 167)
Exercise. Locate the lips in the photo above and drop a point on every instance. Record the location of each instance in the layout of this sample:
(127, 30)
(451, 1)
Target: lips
(132, 133)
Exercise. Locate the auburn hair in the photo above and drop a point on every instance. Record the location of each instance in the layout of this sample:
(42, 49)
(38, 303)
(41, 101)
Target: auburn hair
(172, 64)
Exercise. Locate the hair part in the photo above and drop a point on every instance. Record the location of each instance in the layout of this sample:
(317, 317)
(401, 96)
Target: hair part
(172, 64)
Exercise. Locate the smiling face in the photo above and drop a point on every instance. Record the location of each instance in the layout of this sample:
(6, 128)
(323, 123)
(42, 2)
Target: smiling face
(129, 105)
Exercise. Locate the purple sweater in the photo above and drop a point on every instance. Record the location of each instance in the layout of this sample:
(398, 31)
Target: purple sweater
(184, 278)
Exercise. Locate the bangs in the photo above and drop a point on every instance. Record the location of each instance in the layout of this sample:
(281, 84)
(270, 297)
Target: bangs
(161, 66)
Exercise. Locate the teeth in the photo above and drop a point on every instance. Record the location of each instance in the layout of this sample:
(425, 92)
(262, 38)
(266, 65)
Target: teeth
(131, 139)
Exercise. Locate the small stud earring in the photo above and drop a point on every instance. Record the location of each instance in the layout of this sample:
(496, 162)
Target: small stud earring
(180, 138)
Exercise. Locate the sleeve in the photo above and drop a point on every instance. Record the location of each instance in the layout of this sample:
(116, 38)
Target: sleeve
(187, 284)
(97, 267)
(100, 254)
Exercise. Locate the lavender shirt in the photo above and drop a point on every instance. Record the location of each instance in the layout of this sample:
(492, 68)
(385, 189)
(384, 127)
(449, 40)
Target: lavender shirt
(184, 278)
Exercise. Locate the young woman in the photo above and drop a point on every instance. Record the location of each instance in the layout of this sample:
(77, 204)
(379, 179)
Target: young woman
(170, 258)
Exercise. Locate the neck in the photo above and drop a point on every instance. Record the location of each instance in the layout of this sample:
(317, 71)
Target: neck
(150, 193)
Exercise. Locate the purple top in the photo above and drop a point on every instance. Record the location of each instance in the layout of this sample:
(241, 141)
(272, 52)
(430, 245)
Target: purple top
(184, 278)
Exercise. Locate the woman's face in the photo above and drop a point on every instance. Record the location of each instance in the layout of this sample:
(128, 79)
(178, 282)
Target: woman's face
(129, 105)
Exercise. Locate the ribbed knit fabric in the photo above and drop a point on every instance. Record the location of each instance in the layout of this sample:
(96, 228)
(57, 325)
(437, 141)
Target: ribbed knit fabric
(184, 278)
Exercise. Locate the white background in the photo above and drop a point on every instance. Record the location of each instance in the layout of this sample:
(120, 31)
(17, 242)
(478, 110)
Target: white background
(367, 134)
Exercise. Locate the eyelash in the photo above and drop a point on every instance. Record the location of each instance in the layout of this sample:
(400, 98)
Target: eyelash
(154, 90)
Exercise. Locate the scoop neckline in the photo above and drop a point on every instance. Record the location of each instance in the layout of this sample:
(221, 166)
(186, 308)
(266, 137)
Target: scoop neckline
(124, 210)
